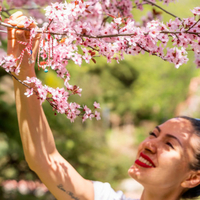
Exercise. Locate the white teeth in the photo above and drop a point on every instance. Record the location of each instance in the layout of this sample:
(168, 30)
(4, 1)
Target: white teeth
(141, 159)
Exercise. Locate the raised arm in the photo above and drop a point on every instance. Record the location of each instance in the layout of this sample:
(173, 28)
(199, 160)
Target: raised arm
(40, 151)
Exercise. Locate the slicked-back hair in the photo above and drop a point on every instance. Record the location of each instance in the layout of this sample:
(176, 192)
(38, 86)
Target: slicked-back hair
(193, 193)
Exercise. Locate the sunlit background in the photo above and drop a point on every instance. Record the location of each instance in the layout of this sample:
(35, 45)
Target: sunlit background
(135, 95)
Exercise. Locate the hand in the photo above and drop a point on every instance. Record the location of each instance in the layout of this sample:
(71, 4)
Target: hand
(14, 35)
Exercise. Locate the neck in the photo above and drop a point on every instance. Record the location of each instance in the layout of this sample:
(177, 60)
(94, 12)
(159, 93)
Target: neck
(160, 195)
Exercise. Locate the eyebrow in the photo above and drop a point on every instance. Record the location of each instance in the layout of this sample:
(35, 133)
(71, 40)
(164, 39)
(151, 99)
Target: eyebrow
(169, 135)
(158, 128)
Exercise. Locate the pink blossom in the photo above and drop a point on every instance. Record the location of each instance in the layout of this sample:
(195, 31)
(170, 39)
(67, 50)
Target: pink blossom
(42, 93)
(77, 59)
(196, 11)
(86, 109)
(9, 64)
(97, 115)
(197, 60)
(118, 20)
(85, 116)
(29, 92)
(96, 105)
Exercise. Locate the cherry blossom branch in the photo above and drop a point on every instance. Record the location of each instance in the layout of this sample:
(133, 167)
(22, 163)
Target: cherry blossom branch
(177, 32)
(29, 87)
(163, 9)
(154, 54)
(81, 33)
(84, 112)
(49, 100)
(102, 36)
(132, 34)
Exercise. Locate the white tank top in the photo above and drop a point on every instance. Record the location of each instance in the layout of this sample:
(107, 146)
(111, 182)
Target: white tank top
(103, 191)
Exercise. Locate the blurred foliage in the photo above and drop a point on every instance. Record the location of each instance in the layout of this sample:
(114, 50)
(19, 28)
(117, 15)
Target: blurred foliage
(144, 86)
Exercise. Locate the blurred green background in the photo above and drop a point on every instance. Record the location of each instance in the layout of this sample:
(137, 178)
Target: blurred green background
(135, 95)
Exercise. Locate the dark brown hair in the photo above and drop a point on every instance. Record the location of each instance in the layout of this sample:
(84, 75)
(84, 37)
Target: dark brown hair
(193, 193)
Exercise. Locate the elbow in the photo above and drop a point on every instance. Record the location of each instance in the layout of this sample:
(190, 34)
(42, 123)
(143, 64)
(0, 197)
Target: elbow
(40, 162)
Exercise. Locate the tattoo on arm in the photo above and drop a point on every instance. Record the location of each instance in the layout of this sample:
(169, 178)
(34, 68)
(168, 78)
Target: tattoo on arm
(71, 194)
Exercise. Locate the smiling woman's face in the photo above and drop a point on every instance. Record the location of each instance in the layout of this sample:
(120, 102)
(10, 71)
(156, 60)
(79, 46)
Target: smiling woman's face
(163, 158)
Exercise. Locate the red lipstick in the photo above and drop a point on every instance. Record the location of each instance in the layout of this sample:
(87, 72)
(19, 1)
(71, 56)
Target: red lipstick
(140, 162)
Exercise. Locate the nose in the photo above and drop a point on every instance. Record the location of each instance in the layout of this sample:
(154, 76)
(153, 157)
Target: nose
(150, 145)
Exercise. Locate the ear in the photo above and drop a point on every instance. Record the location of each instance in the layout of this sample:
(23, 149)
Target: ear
(192, 181)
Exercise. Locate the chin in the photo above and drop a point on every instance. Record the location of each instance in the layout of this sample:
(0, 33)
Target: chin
(134, 172)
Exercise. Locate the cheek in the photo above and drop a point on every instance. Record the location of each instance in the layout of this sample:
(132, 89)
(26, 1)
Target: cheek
(173, 162)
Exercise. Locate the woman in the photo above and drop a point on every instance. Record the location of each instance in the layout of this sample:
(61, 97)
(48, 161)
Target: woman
(167, 163)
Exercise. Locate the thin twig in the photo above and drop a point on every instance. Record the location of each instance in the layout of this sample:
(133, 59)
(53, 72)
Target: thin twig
(29, 87)
(15, 27)
(193, 25)
(177, 32)
(163, 9)
(154, 54)
(7, 10)
(49, 24)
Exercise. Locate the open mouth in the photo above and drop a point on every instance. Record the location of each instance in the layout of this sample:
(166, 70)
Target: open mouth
(144, 161)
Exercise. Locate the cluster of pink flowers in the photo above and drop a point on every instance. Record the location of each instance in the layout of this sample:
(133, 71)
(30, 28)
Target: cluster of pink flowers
(58, 99)
(82, 24)
(82, 30)
(9, 64)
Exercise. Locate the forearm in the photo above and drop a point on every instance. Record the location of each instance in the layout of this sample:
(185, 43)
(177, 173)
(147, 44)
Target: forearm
(36, 136)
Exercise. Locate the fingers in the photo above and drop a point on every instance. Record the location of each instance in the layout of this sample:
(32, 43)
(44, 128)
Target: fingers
(15, 18)
(18, 19)
(19, 22)
(16, 15)
(12, 19)
(32, 25)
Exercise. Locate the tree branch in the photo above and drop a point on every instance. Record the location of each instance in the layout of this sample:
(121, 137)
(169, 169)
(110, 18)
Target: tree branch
(101, 36)
(162, 9)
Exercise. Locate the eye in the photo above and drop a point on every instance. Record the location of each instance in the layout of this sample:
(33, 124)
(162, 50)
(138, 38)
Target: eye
(169, 144)
(153, 134)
